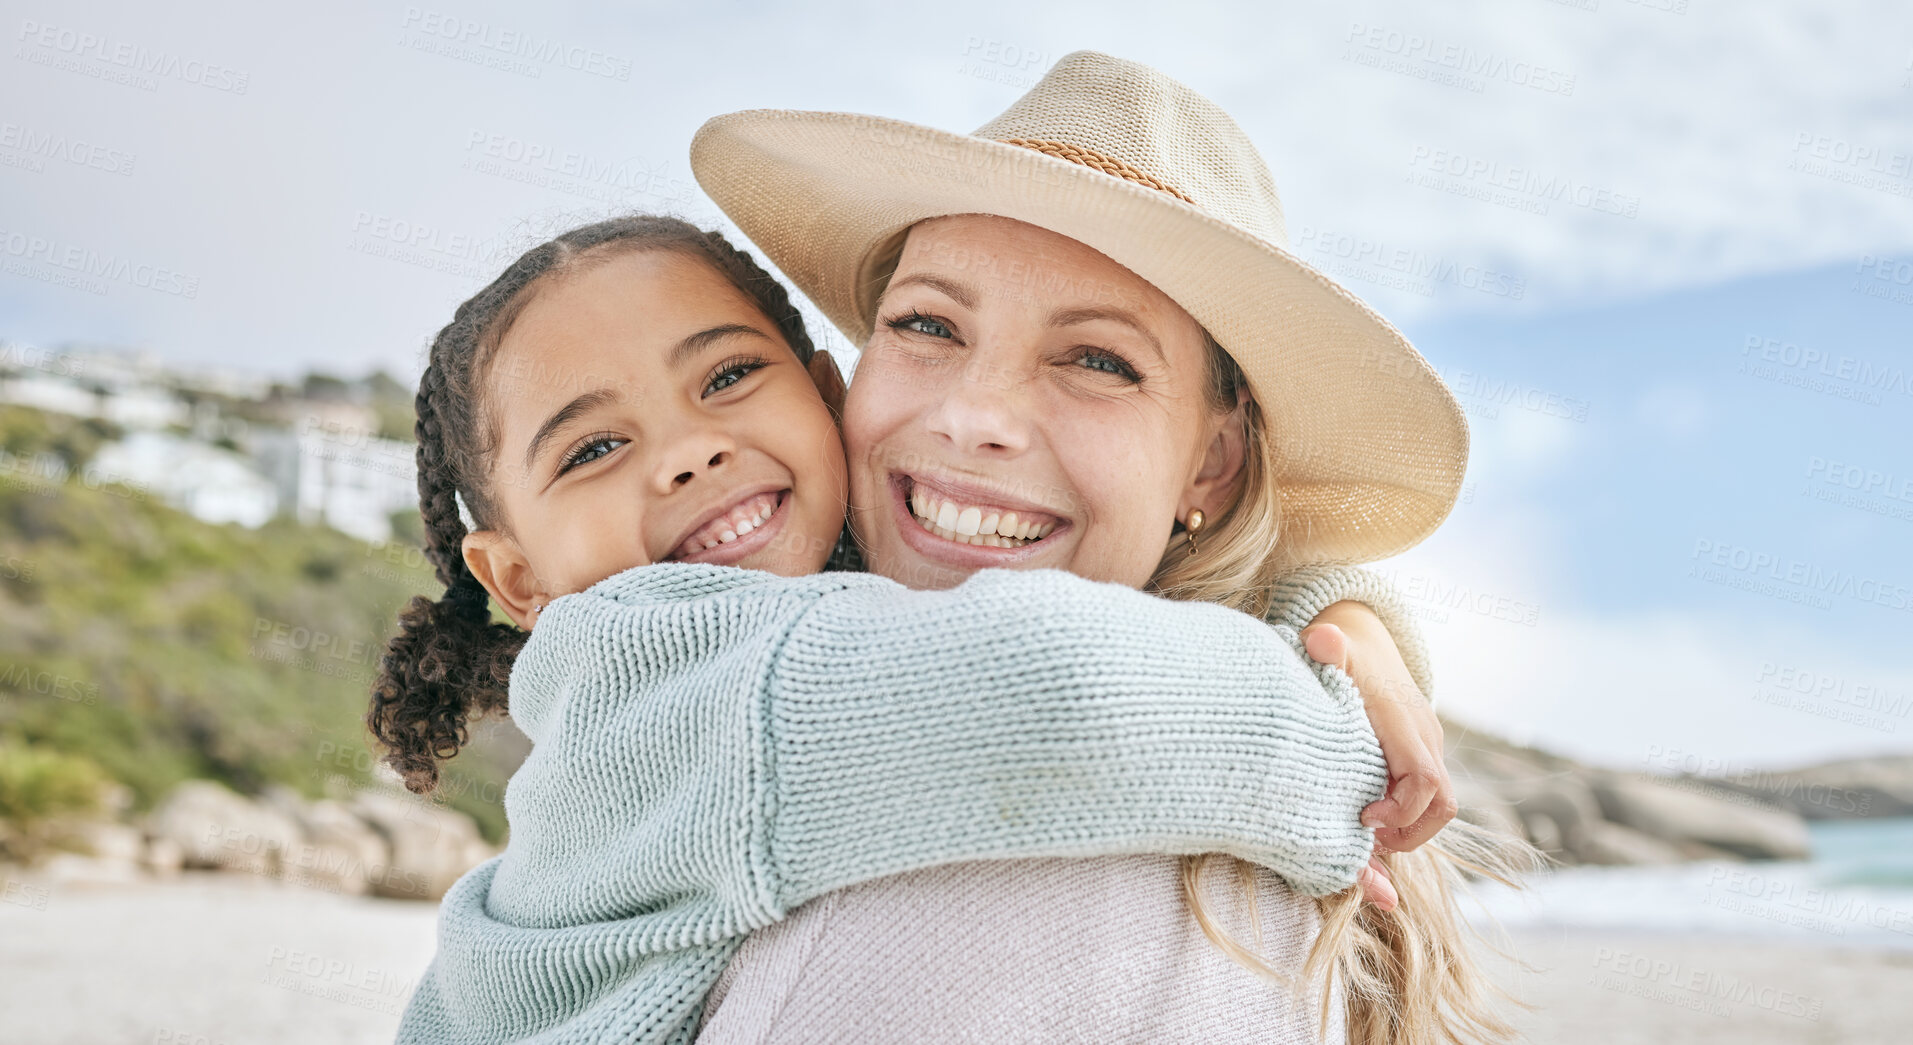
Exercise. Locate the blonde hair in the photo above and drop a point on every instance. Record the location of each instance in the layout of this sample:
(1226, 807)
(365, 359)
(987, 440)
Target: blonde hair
(1409, 976)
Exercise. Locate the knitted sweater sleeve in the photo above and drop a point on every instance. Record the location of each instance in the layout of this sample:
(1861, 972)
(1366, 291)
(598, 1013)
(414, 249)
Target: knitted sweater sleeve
(1304, 593)
(1033, 713)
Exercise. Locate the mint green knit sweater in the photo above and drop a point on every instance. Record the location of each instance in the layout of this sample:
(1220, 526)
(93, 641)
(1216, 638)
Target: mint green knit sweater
(714, 746)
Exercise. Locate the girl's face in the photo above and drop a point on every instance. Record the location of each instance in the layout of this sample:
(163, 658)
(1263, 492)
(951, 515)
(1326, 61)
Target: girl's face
(646, 411)
(1026, 402)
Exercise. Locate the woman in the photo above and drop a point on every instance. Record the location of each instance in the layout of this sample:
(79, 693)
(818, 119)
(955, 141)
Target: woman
(1084, 311)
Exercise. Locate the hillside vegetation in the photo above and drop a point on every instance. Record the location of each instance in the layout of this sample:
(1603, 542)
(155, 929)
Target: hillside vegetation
(156, 648)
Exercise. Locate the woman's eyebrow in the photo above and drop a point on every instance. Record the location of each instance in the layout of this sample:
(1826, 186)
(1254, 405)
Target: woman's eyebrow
(684, 350)
(1063, 317)
(564, 415)
(961, 293)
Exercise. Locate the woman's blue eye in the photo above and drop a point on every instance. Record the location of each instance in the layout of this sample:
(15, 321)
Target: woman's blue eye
(922, 324)
(1108, 364)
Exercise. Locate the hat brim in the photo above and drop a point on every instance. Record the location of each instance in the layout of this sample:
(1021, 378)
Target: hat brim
(1372, 447)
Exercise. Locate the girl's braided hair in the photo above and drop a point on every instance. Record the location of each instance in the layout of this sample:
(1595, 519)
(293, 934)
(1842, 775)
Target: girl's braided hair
(450, 660)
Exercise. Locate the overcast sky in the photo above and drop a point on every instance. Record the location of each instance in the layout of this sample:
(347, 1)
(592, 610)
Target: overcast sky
(321, 188)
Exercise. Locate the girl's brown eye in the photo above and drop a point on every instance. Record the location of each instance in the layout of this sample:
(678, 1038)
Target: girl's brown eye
(590, 450)
(730, 372)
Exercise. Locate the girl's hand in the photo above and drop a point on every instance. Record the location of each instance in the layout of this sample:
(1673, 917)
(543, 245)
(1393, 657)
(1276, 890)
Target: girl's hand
(1376, 888)
(1421, 798)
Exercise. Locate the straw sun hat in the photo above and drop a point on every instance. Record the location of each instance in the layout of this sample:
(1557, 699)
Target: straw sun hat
(1114, 154)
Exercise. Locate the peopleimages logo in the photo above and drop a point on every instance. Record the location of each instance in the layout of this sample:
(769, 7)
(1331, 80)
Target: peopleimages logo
(1523, 188)
(570, 171)
(33, 148)
(1420, 55)
(1814, 369)
(89, 266)
(515, 44)
(1361, 251)
(45, 44)
(1768, 569)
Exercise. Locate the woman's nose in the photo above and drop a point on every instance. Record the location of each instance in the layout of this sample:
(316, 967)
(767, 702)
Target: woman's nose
(983, 411)
(695, 453)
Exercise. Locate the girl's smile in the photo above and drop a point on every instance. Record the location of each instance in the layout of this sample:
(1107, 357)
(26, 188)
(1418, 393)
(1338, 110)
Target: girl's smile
(730, 534)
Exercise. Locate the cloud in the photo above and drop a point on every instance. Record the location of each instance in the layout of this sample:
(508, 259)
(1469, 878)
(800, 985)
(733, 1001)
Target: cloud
(1627, 688)
(1519, 652)
(1658, 144)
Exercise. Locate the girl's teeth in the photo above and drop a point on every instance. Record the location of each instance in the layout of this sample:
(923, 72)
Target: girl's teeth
(947, 517)
(745, 518)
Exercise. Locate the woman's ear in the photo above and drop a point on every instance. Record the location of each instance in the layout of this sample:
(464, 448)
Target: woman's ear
(502, 568)
(1222, 459)
(829, 381)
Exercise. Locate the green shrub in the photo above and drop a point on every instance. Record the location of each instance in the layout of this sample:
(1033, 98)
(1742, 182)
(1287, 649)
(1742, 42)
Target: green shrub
(38, 788)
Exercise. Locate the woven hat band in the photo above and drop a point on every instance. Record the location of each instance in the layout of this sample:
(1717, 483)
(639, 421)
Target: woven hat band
(1097, 161)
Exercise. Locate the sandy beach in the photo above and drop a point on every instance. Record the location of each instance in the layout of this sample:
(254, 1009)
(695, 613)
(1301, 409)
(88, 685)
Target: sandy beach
(224, 959)
(208, 959)
(1642, 988)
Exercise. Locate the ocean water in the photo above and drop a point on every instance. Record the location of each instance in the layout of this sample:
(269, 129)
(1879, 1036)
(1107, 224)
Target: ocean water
(1856, 890)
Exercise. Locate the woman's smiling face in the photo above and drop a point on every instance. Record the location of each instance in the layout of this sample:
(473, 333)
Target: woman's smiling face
(1027, 402)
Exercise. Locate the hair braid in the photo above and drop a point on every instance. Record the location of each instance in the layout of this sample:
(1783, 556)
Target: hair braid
(449, 660)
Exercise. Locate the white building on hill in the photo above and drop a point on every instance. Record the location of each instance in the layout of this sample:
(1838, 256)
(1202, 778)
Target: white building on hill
(212, 484)
(329, 467)
(344, 478)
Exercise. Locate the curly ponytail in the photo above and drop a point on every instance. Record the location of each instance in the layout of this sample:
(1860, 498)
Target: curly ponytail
(450, 661)
(449, 658)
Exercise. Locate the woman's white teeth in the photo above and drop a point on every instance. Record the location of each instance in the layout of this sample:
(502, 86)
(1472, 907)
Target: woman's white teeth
(973, 525)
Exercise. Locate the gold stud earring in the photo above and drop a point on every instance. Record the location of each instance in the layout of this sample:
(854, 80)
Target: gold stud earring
(1192, 528)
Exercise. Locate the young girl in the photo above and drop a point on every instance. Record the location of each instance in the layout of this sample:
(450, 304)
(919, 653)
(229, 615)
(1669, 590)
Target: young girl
(627, 411)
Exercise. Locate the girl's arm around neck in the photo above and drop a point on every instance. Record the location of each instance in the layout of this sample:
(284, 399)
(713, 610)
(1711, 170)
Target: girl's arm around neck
(1038, 714)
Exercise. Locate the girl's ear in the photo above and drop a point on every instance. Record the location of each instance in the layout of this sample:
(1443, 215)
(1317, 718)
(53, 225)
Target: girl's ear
(1221, 467)
(829, 381)
(498, 563)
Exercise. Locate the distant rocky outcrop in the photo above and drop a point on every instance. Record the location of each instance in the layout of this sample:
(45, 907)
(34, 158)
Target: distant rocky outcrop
(382, 841)
(1855, 787)
(1581, 814)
